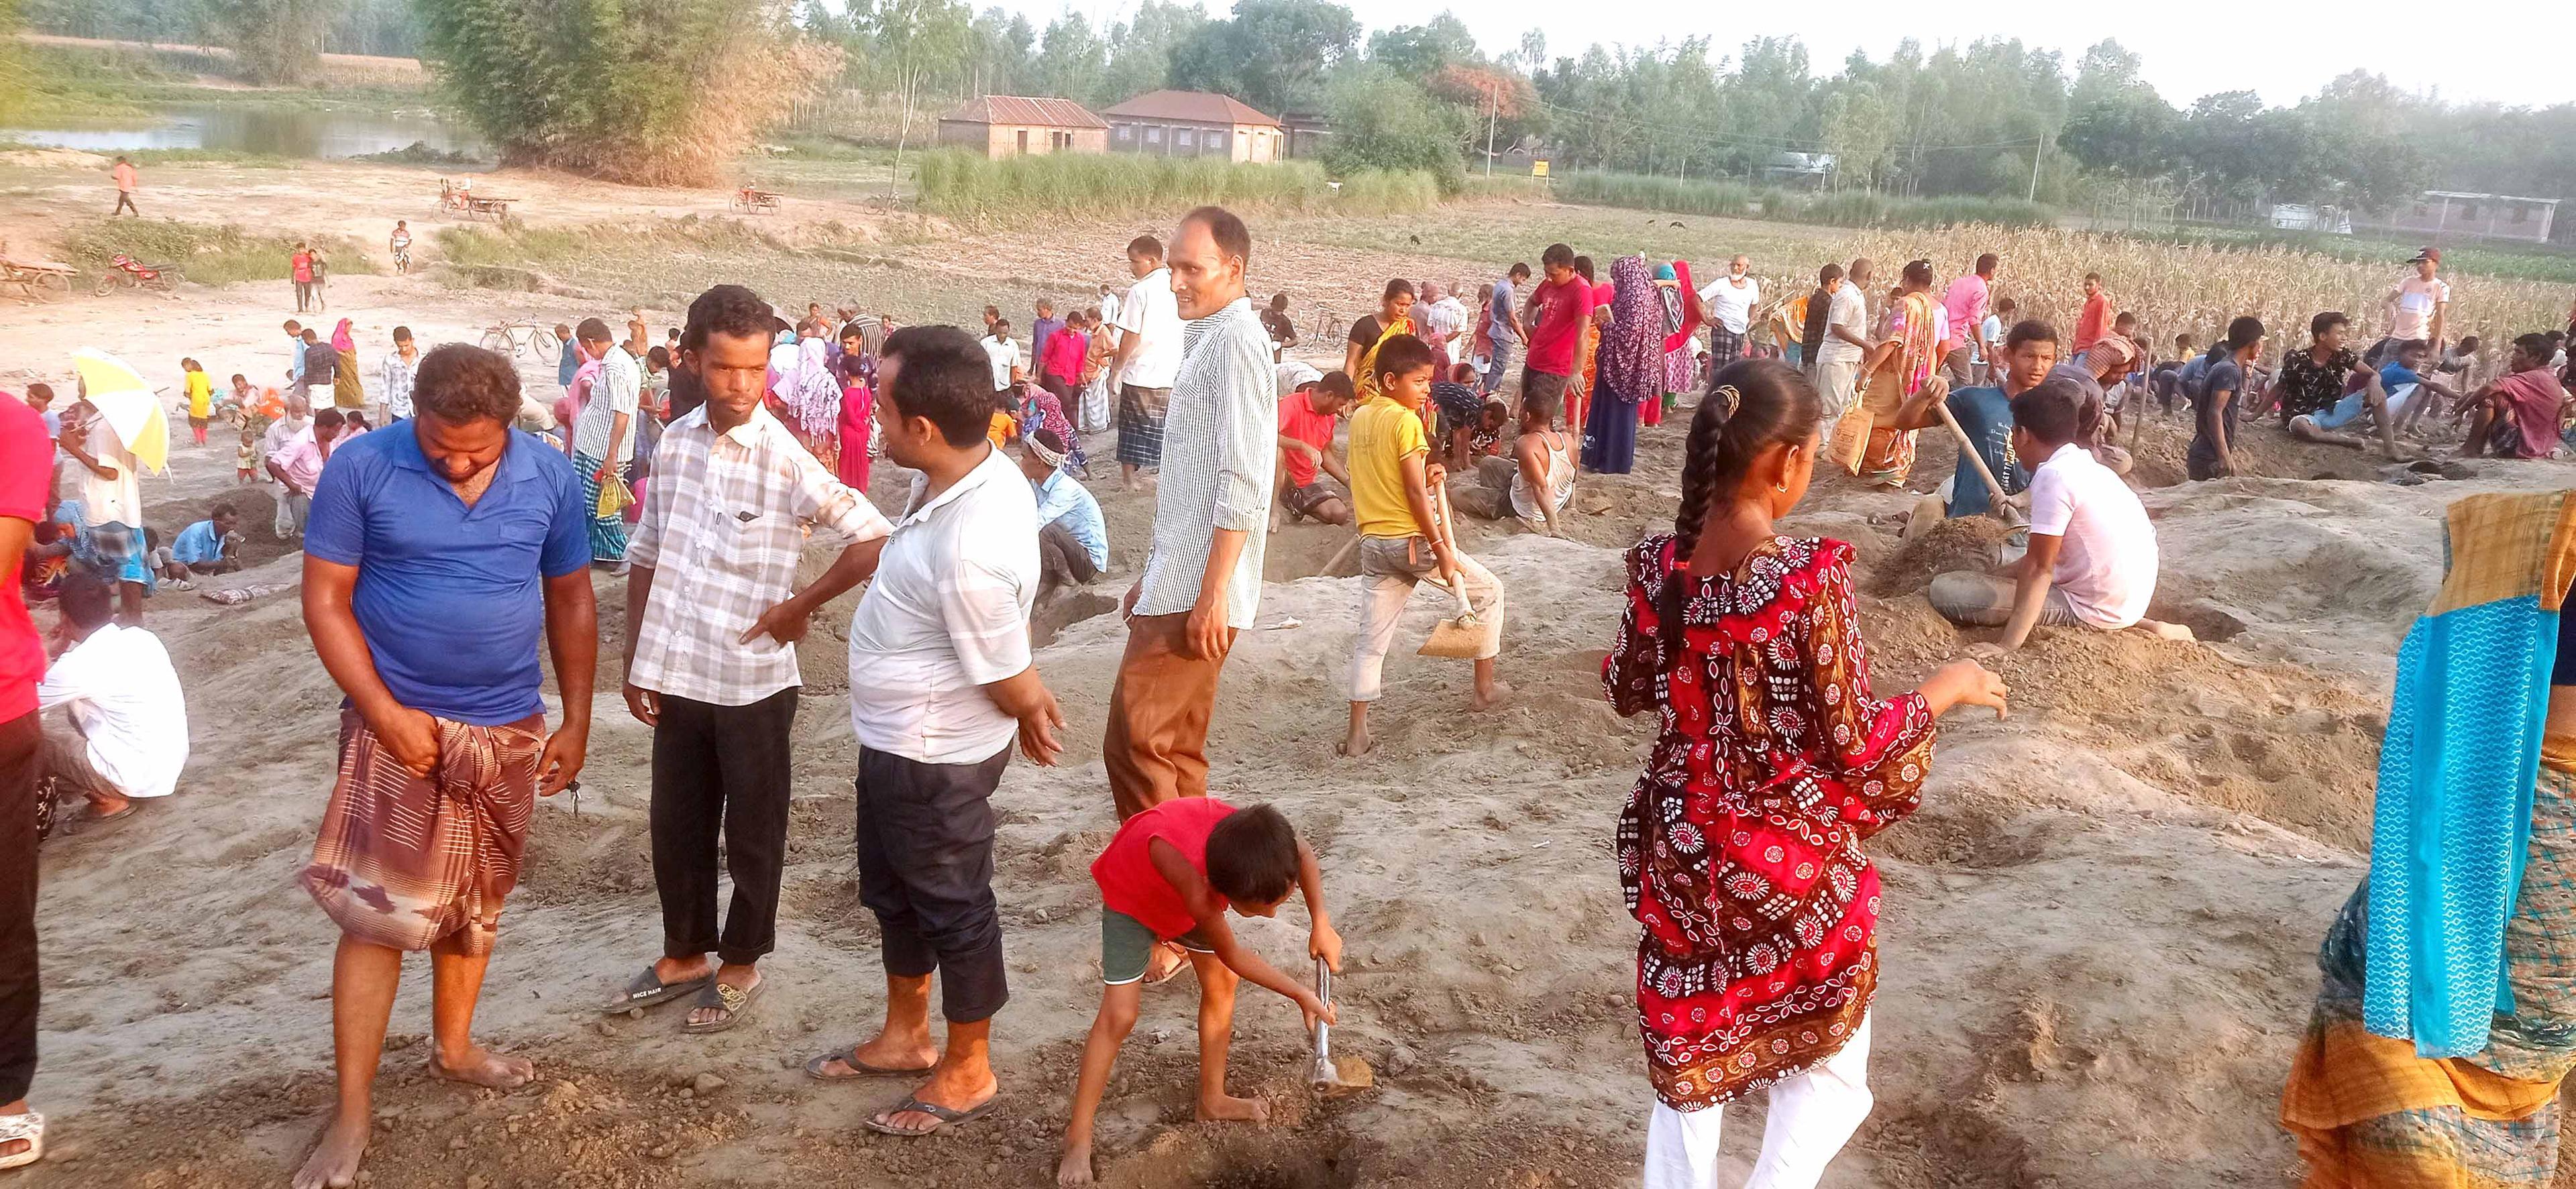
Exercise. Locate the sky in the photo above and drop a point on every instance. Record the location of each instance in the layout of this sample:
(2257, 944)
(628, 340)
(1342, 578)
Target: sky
(2282, 49)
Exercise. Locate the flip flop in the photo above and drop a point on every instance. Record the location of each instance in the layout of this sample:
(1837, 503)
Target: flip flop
(131, 805)
(1177, 969)
(733, 1000)
(645, 990)
(850, 1057)
(30, 1127)
(947, 1118)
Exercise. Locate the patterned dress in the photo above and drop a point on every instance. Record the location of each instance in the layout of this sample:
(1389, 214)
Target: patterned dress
(1739, 850)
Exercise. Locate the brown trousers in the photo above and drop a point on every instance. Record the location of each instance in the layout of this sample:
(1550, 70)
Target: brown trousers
(1156, 746)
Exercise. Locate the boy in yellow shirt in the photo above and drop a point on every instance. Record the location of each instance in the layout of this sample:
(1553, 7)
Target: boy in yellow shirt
(1392, 478)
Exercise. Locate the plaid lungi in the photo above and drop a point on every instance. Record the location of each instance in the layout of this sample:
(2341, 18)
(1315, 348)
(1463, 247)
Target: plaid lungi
(1140, 424)
(607, 533)
(1724, 347)
(404, 860)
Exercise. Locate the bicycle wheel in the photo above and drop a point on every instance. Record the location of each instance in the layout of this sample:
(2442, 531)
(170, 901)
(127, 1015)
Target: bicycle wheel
(543, 346)
(496, 341)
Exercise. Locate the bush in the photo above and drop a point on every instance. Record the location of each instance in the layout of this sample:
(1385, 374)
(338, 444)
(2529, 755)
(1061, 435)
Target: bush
(1850, 208)
(963, 185)
(1382, 120)
(206, 255)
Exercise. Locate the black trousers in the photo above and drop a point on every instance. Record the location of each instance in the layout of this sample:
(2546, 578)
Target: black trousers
(926, 870)
(721, 770)
(21, 743)
(1062, 560)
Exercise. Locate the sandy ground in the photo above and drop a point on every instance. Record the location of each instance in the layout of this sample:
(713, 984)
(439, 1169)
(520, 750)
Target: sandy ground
(2098, 939)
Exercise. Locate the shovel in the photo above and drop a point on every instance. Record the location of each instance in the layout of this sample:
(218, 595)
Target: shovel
(1333, 1077)
(1968, 449)
(1461, 637)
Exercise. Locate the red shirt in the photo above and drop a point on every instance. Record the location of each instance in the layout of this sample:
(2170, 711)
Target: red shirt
(302, 264)
(26, 470)
(1129, 883)
(2094, 322)
(1064, 352)
(1562, 311)
(1298, 419)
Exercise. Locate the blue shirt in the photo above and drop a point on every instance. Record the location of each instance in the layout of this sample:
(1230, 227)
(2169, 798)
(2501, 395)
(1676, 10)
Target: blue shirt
(451, 599)
(197, 544)
(1986, 415)
(1063, 499)
(2394, 375)
(1039, 332)
(568, 366)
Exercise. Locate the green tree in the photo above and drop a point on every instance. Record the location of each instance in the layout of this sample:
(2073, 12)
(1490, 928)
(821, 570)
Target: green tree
(1381, 120)
(274, 42)
(1273, 54)
(1420, 51)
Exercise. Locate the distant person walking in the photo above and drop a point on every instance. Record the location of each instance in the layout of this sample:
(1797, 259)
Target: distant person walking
(1147, 358)
(128, 180)
(300, 267)
(1503, 325)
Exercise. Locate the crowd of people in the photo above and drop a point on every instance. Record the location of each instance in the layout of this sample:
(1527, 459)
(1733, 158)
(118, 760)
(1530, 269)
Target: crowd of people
(451, 525)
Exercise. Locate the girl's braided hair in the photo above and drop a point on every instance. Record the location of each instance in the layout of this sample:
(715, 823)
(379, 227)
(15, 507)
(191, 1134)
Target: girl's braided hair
(1755, 404)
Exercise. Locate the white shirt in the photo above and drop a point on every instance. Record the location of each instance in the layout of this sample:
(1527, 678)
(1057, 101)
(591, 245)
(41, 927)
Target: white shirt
(124, 694)
(2107, 566)
(1444, 319)
(1220, 455)
(396, 382)
(947, 614)
(619, 389)
(1004, 355)
(118, 500)
(1731, 305)
(1851, 312)
(1152, 311)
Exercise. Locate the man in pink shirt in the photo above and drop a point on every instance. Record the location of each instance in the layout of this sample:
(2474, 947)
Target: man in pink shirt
(2519, 413)
(26, 471)
(1965, 301)
(1558, 308)
(297, 465)
(127, 182)
(2095, 321)
(1060, 365)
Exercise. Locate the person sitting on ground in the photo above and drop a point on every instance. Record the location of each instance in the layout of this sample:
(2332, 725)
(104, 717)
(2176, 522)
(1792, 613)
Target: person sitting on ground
(129, 720)
(1402, 541)
(2385, 395)
(2519, 413)
(1309, 415)
(1005, 424)
(1073, 540)
(1984, 413)
(2092, 557)
(2166, 378)
(1532, 486)
(210, 546)
(2097, 373)
(2215, 397)
(1169, 875)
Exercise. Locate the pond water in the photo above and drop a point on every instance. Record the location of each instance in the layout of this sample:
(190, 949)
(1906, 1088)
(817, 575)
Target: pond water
(260, 128)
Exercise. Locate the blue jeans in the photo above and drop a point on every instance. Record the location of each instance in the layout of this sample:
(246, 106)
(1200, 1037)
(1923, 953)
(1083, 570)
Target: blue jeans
(1499, 363)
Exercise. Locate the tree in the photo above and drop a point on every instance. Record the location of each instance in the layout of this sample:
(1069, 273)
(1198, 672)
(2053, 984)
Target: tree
(662, 93)
(1381, 120)
(915, 39)
(1420, 51)
(1140, 51)
(274, 42)
(1273, 54)
(1857, 129)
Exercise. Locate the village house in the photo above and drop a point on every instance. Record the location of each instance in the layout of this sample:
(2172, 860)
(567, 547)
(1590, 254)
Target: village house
(1194, 124)
(1001, 126)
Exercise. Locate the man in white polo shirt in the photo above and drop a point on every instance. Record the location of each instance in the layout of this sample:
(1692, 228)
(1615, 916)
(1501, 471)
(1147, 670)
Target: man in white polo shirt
(124, 701)
(2092, 558)
(1146, 360)
(941, 684)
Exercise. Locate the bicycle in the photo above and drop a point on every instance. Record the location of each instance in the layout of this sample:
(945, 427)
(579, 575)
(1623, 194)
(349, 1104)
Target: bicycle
(513, 338)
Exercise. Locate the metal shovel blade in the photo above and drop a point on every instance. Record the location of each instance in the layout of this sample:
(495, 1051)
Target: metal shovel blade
(1331, 1076)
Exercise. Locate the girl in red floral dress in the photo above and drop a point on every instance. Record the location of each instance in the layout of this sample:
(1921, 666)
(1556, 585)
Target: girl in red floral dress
(1740, 848)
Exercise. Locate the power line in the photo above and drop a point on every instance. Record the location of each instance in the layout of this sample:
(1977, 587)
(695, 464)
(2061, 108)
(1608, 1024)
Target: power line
(1774, 142)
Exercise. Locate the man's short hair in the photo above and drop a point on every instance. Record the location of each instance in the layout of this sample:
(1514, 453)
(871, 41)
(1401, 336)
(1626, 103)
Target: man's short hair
(2049, 411)
(1918, 272)
(310, 337)
(2005, 305)
(87, 598)
(294, 327)
(330, 419)
(593, 330)
(1337, 383)
(2468, 342)
(458, 383)
(1520, 271)
(1986, 262)
(1145, 247)
(1557, 256)
(2030, 330)
(402, 334)
(1397, 287)
(2244, 332)
(1233, 239)
(943, 377)
(2092, 276)
(2535, 345)
(41, 392)
(1252, 856)
(1400, 354)
(2328, 320)
(1045, 306)
(729, 310)
(2405, 345)
(1830, 272)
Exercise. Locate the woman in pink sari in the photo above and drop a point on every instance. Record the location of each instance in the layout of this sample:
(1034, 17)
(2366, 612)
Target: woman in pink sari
(1902, 363)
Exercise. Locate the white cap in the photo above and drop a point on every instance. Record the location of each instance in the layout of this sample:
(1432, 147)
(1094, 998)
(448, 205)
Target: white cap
(1294, 375)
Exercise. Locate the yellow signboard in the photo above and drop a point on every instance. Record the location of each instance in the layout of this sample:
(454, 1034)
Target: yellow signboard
(1538, 169)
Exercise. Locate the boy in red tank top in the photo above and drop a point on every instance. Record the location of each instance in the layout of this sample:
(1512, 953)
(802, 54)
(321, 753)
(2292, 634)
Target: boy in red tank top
(1170, 875)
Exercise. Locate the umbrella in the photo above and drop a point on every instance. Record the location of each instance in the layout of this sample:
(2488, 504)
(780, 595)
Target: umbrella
(130, 406)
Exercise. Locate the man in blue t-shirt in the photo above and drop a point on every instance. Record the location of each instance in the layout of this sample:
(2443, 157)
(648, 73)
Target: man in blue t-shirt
(1503, 324)
(2385, 395)
(2217, 398)
(1984, 413)
(438, 552)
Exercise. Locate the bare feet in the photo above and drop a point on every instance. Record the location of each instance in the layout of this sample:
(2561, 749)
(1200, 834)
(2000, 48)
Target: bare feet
(1229, 1109)
(897, 1052)
(483, 1067)
(2168, 631)
(957, 1090)
(1494, 694)
(1075, 1168)
(1355, 746)
(334, 1162)
(739, 976)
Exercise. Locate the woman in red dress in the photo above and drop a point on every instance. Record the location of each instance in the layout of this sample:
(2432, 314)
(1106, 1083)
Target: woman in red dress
(1739, 850)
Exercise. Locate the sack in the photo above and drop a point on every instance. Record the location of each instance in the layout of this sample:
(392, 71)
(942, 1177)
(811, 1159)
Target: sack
(614, 496)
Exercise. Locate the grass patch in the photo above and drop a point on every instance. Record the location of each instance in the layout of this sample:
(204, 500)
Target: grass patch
(961, 185)
(204, 254)
(1735, 200)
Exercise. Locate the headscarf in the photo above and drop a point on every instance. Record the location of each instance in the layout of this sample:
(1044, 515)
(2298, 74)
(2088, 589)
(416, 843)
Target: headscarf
(812, 394)
(341, 339)
(1631, 358)
(1692, 309)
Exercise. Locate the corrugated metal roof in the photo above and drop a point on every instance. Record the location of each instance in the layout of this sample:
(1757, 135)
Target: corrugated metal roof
(1194, 106)
(1018, 109)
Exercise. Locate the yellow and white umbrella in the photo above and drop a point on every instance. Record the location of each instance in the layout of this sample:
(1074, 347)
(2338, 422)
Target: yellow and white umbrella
(130, 406)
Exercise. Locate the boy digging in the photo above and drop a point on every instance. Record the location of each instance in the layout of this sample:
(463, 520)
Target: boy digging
(1169, 875)
(1401, 540)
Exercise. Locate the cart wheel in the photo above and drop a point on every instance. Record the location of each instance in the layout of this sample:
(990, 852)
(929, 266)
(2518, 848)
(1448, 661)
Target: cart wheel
(106, 285)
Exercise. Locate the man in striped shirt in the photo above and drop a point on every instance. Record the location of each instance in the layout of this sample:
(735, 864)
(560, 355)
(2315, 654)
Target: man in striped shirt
(714, 616)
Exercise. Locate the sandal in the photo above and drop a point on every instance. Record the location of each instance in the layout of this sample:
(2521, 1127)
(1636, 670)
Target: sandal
(947, 1118)
(726, 997)
(30, 1127)
(1176, 970)
(647, 990)
(861, 1069)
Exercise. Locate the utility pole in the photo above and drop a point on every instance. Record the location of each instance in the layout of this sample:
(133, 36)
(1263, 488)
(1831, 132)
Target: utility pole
(2037, 146)
(1493, 116)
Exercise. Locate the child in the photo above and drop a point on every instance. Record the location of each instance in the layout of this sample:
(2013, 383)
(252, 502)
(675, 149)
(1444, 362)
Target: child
(1170, 874)
(1532, 486)
(1401, 541)
(1461, 406)
(2166, 379)
(201, 398)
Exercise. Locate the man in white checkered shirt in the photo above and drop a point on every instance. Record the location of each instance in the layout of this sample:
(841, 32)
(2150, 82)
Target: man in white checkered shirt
(711, 662)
